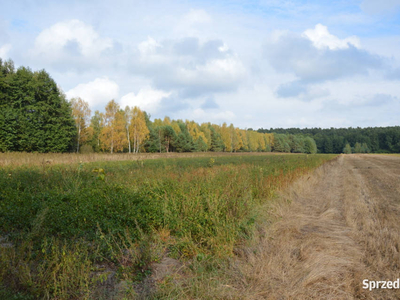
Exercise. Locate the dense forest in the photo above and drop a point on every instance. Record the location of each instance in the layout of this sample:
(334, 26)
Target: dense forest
(356, 140)
(35, 116)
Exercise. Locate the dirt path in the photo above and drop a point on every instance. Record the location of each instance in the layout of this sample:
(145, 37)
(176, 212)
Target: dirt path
(342, 226)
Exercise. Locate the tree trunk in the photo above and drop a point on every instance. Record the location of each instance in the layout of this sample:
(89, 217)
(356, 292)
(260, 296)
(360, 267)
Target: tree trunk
(159, 138)
(112, 140)
(129, 140)
(79, 137)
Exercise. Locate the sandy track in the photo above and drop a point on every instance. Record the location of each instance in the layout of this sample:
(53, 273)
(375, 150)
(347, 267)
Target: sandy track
(342, 226)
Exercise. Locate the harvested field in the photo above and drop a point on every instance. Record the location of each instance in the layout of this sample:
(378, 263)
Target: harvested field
(341, 227)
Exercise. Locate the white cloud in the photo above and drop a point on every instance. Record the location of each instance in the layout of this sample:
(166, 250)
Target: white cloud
(189, 66)
(218, 72)
(196, 16)
(4, 51)
(174, 58)
(206, 116)
(97, 92)
(193, 23)
(322, 39)
(148, 46)
(70, 38)
(318, 56)
(223, 48)
(147, 99)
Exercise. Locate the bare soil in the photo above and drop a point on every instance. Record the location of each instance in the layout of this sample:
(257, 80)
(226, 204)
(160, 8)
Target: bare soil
(341, 226)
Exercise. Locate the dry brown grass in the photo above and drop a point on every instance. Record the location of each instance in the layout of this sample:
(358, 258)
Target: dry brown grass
(340, 228)
(34, 159)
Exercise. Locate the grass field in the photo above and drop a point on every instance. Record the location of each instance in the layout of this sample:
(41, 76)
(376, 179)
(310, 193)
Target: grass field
(94, 230)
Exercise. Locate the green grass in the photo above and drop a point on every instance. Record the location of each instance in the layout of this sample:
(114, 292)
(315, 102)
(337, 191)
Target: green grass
(65, 223)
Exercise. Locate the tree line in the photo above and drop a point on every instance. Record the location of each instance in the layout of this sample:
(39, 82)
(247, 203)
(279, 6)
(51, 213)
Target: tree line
(349, 140)
(35, 116)
(131, 130)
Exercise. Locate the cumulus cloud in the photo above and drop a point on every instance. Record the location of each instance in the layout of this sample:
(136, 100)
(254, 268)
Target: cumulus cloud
(147, 99)
(70, 39)
(189, 66)
(148, 47)
(97, 92)
(321, 38)
(4, 50)
(317, 56)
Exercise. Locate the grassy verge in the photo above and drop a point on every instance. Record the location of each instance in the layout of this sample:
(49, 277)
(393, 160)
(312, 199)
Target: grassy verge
(94, 230)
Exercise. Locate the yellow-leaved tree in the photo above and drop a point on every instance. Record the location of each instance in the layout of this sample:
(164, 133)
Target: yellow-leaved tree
(239, 142)
(226, 137)
(205, 128)
(81, 115)
(253, 142)
(139, 132)
(120, 140)
(111, 136)
(195, 131)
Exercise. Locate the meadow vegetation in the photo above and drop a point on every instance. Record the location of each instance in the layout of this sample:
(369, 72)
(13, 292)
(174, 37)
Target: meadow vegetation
(94, 230)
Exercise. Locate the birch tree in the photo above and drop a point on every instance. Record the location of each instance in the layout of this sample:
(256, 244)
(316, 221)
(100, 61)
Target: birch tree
(138, 128)
(128, 119)
(81, 114)
(108, 133)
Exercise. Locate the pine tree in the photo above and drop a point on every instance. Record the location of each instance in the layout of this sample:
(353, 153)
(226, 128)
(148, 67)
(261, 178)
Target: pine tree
(34, 113)
(217, 144)
(184, 141)
(169, 137)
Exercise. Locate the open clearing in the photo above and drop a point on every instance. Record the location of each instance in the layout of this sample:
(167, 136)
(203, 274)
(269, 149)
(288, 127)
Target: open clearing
(341, 227)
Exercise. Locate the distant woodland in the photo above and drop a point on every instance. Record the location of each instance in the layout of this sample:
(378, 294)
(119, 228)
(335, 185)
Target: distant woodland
(357, 140)
(35, 116)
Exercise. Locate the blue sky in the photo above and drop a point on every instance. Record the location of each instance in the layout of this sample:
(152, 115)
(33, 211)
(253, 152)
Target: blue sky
(265, 63)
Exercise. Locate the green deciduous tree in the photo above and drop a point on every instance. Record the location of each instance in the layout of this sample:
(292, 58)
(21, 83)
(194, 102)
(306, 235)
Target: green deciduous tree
(347, 149)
